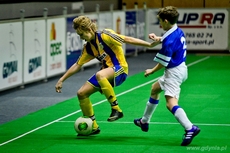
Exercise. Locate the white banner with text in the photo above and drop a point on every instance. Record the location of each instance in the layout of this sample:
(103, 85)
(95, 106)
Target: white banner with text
(205, 29)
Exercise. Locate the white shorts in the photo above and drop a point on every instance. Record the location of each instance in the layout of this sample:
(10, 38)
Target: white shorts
(172, 79)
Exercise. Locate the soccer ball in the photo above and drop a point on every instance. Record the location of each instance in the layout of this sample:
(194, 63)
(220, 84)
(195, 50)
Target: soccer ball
(83, 125)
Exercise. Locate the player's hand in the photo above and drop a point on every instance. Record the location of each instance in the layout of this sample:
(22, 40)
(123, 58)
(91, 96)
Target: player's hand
(154, 37)
(58, 86)
(148, 72)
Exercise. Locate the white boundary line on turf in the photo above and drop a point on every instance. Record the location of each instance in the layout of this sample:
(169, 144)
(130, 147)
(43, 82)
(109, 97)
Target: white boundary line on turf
(198, 61)
(160, 123)
(40, 127)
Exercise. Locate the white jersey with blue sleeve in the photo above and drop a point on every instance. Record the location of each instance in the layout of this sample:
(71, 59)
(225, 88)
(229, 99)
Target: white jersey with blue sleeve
(173, 51)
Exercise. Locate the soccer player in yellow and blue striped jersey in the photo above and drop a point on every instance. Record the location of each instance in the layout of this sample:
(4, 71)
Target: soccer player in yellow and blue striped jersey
(106, 46)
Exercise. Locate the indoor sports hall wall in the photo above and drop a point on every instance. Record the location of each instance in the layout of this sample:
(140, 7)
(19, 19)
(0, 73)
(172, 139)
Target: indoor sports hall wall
(178, 3)
(34, 49)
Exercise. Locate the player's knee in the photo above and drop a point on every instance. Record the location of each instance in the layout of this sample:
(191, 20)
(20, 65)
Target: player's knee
(80, 94)
(99, 76)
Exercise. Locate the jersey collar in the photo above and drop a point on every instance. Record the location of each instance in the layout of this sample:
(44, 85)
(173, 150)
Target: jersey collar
(169, 32)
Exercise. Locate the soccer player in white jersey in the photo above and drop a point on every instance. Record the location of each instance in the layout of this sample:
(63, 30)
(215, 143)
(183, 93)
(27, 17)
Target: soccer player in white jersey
(172, 58)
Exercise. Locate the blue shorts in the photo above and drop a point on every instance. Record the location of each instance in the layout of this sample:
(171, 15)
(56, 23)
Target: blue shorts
(119, 77)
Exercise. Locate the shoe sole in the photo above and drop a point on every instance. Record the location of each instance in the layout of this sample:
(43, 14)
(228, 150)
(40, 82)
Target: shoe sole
(114, 118)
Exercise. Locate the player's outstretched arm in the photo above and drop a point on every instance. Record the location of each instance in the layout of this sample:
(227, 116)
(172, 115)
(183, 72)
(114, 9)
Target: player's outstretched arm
(136, 41)
(72, 70)
(139, 42)
(155, 43)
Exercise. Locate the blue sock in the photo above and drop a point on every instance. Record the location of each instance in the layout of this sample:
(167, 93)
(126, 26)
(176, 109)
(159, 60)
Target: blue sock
(174, 109)
(153, 101)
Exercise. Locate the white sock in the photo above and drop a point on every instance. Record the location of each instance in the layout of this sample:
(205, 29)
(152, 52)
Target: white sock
(149, 109)
(182, 118)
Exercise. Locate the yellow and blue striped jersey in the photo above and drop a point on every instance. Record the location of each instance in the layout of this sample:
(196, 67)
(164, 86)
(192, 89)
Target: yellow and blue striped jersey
(107, 48)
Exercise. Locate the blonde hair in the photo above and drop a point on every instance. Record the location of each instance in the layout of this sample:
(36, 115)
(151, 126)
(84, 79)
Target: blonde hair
(83, 23)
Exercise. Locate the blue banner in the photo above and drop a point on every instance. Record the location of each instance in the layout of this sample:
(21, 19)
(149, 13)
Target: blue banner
(74, 44)
(130, 29)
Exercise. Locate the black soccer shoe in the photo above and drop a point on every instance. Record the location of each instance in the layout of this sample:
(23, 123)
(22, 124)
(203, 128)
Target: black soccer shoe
(189, 135)
(115, 115)
(144, 126)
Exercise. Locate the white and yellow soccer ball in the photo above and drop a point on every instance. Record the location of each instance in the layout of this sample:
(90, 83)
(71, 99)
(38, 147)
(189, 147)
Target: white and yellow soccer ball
(83, 125)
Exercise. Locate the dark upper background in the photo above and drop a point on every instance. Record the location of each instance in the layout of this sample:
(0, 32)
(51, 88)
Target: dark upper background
(10, 9)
